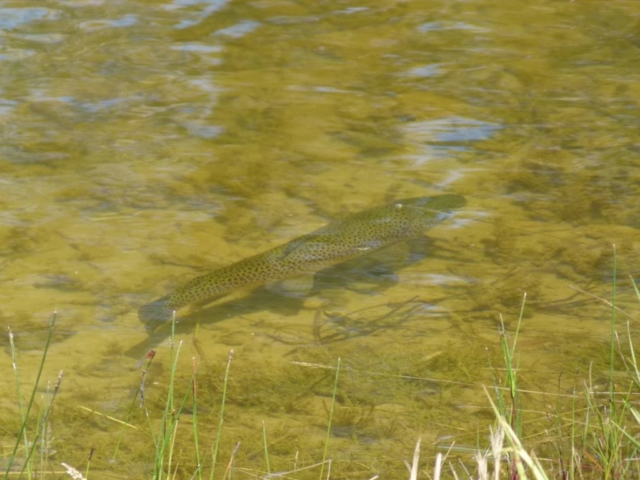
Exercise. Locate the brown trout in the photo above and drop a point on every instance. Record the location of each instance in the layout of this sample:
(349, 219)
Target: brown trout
(354, 236)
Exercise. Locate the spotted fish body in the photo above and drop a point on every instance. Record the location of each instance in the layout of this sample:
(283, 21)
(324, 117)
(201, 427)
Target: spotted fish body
(354, 236)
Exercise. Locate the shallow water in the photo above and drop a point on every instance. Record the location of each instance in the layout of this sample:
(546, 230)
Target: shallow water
(145, 143)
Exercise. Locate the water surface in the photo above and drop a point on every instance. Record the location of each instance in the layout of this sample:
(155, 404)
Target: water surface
(145, 143)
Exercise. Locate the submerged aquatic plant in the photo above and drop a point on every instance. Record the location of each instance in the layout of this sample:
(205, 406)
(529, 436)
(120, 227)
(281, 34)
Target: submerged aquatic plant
(599, 430)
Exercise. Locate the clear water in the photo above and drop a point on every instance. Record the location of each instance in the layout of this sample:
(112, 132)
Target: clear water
(145, 143)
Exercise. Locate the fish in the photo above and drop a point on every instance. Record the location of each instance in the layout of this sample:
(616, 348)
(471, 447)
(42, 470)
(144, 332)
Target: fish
(354, 236)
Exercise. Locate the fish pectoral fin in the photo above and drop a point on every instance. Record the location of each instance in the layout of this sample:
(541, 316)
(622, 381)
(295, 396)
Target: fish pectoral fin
(393, 256)
(386, 259)
(292, 287)
(200, 304)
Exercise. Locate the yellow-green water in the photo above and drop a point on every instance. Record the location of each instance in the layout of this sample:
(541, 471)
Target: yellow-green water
(145, 143)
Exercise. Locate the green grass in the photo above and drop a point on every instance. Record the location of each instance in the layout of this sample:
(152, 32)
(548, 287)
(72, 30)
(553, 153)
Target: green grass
(600, 442)
(596, 438)
(27, 440)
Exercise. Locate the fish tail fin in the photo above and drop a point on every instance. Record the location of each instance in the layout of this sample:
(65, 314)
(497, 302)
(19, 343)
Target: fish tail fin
(157, 311)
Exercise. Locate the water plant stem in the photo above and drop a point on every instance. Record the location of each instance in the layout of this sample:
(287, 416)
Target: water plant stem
(221, 416)
(333, 403)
